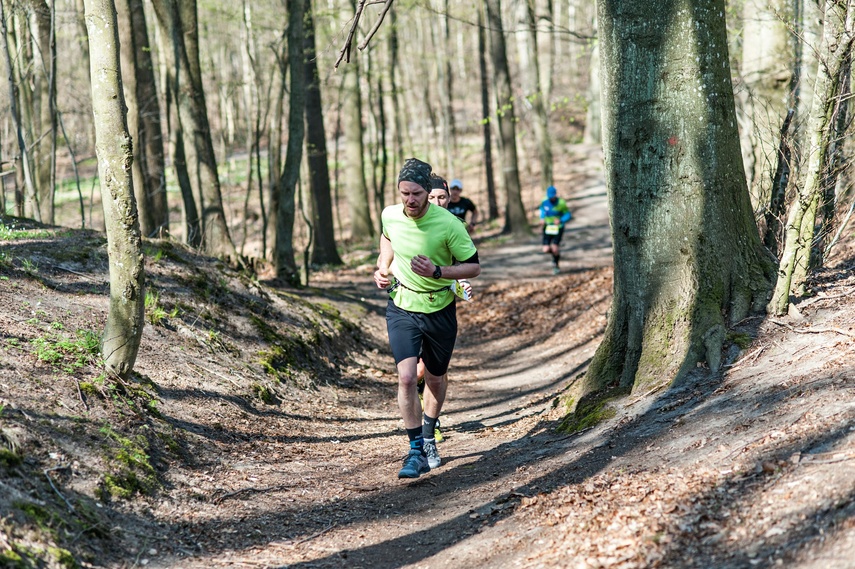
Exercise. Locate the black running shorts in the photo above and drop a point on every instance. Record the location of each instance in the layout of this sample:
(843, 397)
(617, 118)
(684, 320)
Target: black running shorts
(431, 336)
(553, 239)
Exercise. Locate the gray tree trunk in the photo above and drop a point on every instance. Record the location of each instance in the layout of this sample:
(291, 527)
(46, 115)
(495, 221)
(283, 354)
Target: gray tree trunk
(768, 53)
(516, 221)
(171, 49)
(835, 50)
(593, 121)
(179, 22)
(492, 204)
(286, 268)
(534, 93)
(324, 251)
(356, 190)
(44, 112)
(23, 166)
(125, 320)
(687, 256)
(143, 119)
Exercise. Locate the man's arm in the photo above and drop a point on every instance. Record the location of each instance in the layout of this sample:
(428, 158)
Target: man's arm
(384, 263)
(468, 269)
(473, 220)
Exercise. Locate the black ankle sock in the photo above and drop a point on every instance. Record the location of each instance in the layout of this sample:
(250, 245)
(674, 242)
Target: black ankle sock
(429, 426)
(416, 438)
(555, 258)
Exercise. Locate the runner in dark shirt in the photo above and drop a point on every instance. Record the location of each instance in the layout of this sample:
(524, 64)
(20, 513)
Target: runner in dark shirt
(459, 206)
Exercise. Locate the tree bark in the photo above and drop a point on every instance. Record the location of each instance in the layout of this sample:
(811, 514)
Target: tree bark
(172, 50)
(324, 251)
(179, 22)
(516, 221)
(23, 167)
(361, 227)
(125, 320)
(687, 256)
(286, 268)
(768, 53)
(44, 112)
(143, 119)
(534, 94)
(492, 204)
(835, 50)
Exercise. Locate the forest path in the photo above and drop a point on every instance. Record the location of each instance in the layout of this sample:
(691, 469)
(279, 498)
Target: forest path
(699, 471)
(334, 499)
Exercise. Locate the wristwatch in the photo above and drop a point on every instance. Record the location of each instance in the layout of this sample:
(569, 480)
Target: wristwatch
(437, 272)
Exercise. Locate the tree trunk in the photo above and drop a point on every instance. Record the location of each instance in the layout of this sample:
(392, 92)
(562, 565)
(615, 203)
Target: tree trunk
(534, 94)
(125, 320)
(44, 115)
(83, 39)
(172, 50)
(179, 22)
(687, 255)
(768, 50)
(286, 268)
(356, 189)
(835, 50)
(492, 204)
(324, 251)
(396, 106)
(143, 119)
(516, 221)
(23, 166)
(593, 121)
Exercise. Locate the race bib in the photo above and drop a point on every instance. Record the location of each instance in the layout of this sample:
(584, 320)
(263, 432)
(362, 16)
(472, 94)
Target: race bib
(552, 229)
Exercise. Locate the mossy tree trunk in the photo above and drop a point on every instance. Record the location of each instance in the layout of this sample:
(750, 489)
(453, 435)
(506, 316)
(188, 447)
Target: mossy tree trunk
(688, 259)
(125, 320)
(835, 50)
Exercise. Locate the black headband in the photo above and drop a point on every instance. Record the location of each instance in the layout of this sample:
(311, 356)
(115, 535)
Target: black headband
(414, 170)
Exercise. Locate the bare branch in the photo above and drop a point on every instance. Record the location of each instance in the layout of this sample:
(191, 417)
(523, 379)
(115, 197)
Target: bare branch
(387, 6)
(344, 54)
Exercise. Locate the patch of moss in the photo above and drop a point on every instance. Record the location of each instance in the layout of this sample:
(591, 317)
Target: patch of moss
(9, 458)
(63, 557)
(263, 392)
(743, 341)
(592, 410)
(46, 520)
(9, 559)
(130, 462)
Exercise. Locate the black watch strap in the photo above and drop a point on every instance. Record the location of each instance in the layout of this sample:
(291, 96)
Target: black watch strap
(437, 272)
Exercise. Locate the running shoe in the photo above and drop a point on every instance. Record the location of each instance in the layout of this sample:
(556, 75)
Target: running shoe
(555, 270)
(415, 464)
(437, 434)
(432, 453)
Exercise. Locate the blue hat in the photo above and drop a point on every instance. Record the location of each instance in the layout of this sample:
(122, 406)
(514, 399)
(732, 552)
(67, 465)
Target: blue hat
(551, 192)
(455, 183)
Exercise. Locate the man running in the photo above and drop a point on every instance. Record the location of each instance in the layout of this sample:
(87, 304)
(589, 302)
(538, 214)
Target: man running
(421, 316)
(460, 206)
(554, 213)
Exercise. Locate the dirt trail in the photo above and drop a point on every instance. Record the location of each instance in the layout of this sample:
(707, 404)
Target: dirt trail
(738, 470)
(333, 498)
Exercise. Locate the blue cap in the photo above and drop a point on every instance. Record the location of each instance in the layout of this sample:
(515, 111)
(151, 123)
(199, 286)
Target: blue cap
(551, 192)
(455, 183)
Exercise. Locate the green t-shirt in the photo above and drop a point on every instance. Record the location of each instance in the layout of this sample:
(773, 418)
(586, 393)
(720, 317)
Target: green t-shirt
(438, 235)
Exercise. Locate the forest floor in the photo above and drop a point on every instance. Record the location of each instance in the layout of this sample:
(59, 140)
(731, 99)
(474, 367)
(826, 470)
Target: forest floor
(752, 467)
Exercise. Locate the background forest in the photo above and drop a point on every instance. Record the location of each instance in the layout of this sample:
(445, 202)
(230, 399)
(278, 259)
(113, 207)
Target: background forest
(426, 85)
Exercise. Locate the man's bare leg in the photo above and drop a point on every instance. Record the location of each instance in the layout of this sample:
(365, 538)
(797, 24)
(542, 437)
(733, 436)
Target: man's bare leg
(408, 394)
